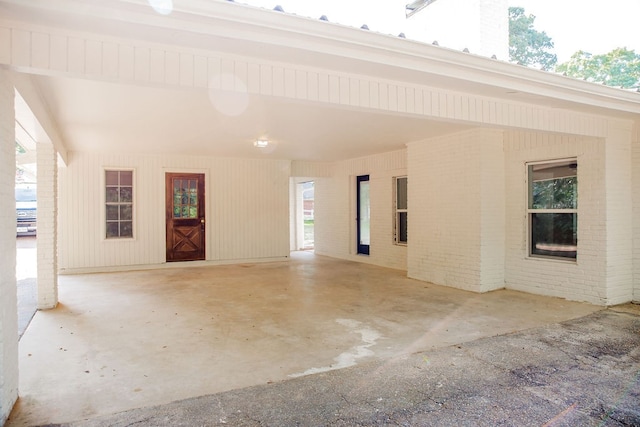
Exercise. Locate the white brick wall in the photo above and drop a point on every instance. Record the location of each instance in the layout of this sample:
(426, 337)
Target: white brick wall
(335, 201)
(636, 209)
(494, 29)
(619, 220)
(492, 205)
(47, 226)
(457, 204)
(473, 263)
(585, 279)
(485, 23)
(469, 223)
(8, 288)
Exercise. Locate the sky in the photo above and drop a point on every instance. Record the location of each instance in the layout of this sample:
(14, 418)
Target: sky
(596, 26)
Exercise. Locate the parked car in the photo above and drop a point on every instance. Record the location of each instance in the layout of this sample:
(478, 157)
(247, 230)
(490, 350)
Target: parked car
(26, 213)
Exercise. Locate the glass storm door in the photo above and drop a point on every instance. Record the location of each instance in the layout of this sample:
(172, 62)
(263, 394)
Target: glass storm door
(185, 216)
(363, 218)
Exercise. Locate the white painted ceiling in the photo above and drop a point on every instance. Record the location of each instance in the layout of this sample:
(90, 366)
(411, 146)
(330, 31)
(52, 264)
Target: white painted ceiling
(93, 115)
(110, 117)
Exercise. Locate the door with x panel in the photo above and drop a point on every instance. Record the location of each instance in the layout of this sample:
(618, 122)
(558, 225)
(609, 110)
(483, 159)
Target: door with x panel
(185, 216)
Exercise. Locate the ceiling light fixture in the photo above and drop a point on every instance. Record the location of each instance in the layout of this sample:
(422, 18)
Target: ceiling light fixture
(261, 143)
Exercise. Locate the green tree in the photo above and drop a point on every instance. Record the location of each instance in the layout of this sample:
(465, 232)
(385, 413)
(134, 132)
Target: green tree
(528, 46)
(620, 67)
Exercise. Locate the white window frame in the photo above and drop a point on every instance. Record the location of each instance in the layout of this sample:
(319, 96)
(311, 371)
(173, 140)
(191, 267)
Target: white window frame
(530, 210)
(397, 211)
(105, 203)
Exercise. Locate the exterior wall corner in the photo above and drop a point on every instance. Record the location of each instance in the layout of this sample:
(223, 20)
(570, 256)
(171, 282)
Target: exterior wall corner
(635, 176)
(457, 199)
(8, 286)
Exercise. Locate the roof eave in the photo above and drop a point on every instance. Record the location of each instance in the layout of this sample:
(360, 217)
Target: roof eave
(225, 20)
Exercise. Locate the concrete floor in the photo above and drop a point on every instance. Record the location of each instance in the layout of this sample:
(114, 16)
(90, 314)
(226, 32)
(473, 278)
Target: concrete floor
(582, 372)
(128, 340)
(26, 277)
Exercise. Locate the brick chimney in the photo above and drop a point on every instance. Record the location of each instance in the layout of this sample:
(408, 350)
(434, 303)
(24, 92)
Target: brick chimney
(482, 26)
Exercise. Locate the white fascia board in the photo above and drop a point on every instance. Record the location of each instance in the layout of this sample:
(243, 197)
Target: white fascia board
(228, 25)
(265, 26)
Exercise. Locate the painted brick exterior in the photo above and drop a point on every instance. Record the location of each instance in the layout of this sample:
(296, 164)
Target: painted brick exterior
(8, 287)
(585, 279)
(636, 210)
(335, 202)
(494, 28)
(619, 221)
(492, 209)
(457, 203)
(467, 191)
(47, 226)
(485, 22)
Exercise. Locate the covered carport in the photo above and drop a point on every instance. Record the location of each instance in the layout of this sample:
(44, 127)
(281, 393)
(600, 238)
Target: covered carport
(120, 341)
(116, 86)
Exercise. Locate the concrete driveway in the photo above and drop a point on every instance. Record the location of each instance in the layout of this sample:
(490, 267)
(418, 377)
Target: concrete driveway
(583, 372)
(130, 340)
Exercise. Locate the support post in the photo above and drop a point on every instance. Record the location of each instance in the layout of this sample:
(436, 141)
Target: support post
(47, 226)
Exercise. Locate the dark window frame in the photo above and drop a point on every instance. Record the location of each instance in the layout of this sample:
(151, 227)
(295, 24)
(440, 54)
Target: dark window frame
(552, 209)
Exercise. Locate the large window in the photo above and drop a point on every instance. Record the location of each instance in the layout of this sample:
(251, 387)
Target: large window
(553, 209)
(400, 217)
(119, 203)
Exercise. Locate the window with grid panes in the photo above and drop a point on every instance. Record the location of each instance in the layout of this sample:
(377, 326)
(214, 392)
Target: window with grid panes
(119, 203)
(400, 206)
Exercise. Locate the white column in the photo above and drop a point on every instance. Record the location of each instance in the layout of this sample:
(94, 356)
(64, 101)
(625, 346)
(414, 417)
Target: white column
(492, 210)
(8, 286)
(619, 219)
(47, 226)
(299, 216)
(635, 170)
(457, 210)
